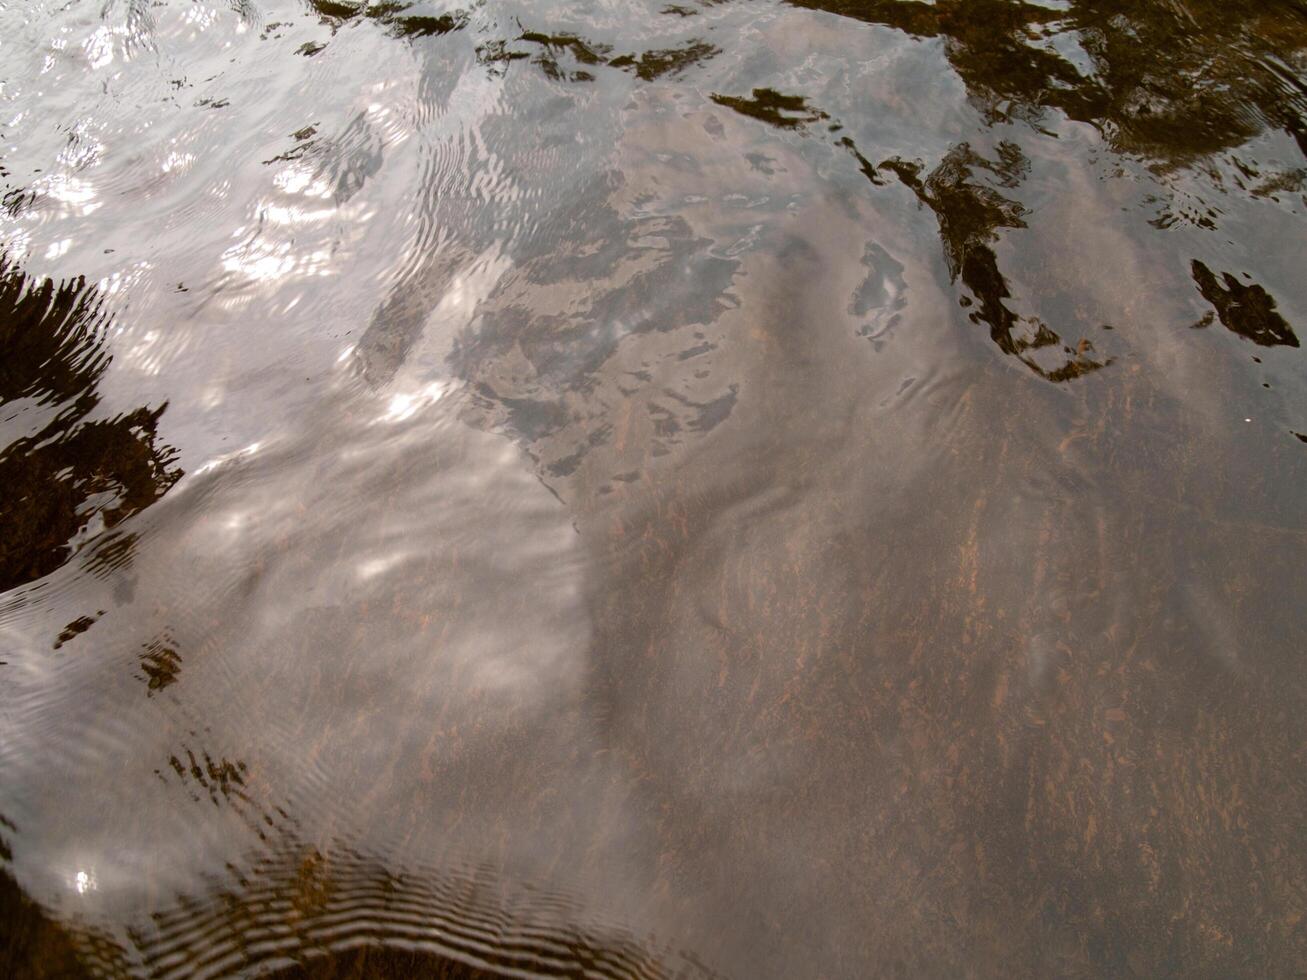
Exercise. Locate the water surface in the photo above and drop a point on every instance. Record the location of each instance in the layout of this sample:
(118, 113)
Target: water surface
(712, 489)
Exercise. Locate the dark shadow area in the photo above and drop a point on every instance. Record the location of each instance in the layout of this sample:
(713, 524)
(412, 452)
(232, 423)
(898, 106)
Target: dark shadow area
(35, 946)
(773, 108)
(554, 51)
(1248, 311)
(395, 17)
(381, 963)
(965, 193)
(65, 477)
(298, 894)
(1167, 81)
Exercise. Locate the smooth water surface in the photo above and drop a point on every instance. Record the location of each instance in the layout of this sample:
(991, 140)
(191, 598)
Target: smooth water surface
(724, 488)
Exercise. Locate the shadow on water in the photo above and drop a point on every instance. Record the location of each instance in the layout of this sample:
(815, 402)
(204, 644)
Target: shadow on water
(1246, 310)
(1172, 82)
(387, 941)
(970, 215)
(66, 476)
(297, 914)
(397, 18)
(34, 944)
(781, 111)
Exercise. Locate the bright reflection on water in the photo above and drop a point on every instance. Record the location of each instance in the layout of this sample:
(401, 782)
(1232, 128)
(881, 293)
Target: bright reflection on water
(774, 489)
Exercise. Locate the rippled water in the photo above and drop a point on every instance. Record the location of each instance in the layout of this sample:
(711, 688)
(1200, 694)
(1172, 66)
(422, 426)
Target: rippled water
(712, 489)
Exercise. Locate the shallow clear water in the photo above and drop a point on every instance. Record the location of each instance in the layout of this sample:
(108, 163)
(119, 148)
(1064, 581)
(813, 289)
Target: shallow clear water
(738, 489)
